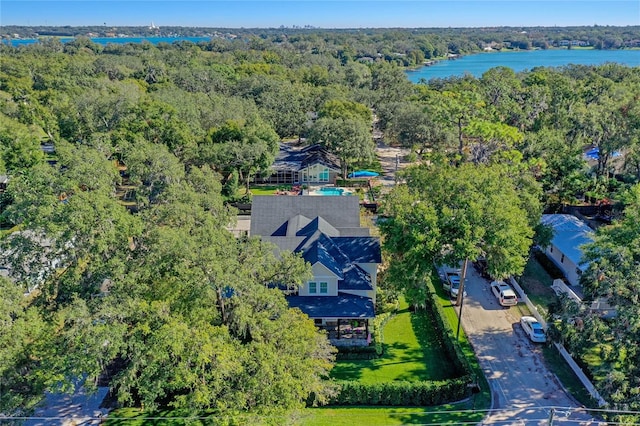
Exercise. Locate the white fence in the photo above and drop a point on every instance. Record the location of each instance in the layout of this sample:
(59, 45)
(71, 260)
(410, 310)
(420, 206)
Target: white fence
(575, 367)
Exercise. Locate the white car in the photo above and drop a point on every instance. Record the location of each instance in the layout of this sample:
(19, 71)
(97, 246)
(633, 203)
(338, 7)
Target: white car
(452, 284)
(504, 293)
(534, 329)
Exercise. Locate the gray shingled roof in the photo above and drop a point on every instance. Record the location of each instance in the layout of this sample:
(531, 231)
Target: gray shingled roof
(293, 158)
(318, 225)
(333, 238)
(341, 306)
(361, 249)
(269, 213)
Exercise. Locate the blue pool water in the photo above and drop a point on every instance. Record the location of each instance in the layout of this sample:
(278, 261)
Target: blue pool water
(332, 191)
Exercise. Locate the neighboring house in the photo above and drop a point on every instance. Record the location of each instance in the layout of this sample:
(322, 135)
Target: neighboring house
(326, 231)
(309, 164)
(569, 235)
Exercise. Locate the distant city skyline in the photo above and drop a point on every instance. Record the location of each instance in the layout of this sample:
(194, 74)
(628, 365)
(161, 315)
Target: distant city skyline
(322, 14)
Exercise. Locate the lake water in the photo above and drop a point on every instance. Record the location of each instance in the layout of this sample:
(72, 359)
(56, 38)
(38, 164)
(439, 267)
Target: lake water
(477, 64)
(119, 40)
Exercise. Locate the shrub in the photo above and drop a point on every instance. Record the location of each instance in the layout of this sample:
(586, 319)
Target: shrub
(357, 352)
(402, 393)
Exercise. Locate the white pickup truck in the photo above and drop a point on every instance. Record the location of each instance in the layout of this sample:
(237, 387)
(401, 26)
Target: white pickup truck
(504, 293)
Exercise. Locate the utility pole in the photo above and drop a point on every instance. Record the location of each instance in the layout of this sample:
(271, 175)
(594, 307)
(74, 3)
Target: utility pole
(551, 414)
(460, 298)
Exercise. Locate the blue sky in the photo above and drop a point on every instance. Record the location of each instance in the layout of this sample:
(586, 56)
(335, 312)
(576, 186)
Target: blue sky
(325, 14)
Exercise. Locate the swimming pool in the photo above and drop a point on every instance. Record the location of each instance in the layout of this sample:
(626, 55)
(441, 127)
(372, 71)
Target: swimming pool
(326, 190)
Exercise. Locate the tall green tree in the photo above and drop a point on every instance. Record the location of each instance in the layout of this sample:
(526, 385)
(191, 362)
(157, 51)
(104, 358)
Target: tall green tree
(614, 268)
(350, 139)
(248, 147)
(447, 214)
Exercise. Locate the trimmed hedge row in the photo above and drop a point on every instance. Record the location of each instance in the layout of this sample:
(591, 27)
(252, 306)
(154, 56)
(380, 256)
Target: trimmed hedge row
(357, 352)
(402, 393)
(418, 393)
(453, 349)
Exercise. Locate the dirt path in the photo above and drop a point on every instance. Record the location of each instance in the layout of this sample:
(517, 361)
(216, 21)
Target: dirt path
(391, 159)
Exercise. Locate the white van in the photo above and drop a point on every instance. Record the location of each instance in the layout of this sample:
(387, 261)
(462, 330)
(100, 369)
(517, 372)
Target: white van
(504, 293)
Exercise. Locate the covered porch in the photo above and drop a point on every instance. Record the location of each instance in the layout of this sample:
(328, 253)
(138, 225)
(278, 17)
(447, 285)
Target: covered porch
(348, 332)
(346, 317)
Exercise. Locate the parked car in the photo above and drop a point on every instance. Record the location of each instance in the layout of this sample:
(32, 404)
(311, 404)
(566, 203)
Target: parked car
(504, 293)
(481, 266)
(452, 284)
(533, 329)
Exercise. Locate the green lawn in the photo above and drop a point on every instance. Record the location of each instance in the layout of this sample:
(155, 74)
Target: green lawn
(382, 416)
(462, 412)
(411, 352)
(536, 282)
(459, 413)
(265, 190)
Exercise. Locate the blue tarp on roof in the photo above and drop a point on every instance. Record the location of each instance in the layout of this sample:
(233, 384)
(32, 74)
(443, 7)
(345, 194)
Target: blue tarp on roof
(341, 306)
(594, 154)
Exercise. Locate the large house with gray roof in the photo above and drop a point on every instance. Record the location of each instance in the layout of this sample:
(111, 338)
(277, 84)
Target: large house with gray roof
(303, 165)
(569, 235)
(344, 258)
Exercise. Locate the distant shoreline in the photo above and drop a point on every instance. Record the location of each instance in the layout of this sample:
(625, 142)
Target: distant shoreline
(434, 61)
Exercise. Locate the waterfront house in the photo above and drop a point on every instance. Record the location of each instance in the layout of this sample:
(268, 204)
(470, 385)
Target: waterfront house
(344, 258)
(569, 235)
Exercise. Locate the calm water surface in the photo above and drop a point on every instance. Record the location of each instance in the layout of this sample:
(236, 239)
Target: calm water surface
(477, 64)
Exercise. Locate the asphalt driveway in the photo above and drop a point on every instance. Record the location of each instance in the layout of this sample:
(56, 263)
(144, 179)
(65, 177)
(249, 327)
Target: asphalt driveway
(523, 389)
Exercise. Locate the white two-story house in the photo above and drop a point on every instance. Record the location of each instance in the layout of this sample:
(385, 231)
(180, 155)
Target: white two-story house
(344, 259)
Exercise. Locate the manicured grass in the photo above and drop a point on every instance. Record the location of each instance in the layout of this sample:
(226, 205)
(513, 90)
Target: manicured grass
(412, 351)
(403, 337)
(264, 190)
(536, 282)
(374, 416)
(138, 417)
(326, 416)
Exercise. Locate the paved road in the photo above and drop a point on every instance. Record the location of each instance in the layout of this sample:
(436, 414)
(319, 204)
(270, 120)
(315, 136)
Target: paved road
(77, 409)
(522, 386)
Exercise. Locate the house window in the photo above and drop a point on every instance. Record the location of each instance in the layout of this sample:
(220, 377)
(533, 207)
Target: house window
(324, 288)
(313, 287)
(318, 321)
(324, 175)
(551, 249)
(562, 259)
(578, 272)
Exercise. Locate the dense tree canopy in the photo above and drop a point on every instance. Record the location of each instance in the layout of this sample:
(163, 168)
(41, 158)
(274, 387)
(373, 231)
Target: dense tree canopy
(119, 237)
(447, 214)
